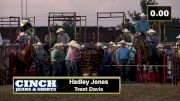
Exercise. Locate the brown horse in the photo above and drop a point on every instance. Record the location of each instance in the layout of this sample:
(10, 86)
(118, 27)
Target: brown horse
(27, 57)
(140, 45)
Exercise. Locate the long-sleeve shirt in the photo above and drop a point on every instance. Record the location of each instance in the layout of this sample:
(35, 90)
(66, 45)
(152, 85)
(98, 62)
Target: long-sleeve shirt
(41, 55)
(64, 38)
(73, 55)
(122, 53)
(142, 26)
(57, 56)
(154, 39)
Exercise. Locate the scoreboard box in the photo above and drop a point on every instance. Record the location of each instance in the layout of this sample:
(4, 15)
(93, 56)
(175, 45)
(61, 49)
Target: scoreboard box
(159, 13)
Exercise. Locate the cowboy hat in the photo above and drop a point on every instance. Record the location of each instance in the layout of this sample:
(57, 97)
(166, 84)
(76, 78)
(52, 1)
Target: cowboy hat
(122, 42)
(82, 46)
(119, 45)
(39, 44)
(178, 37)
(105, 47)
(159, 46)
(142, 14)
(130, 44)
(76, 45)
(114, 45)
(72, 42)
(98, 44)
(125, 30)
(58, 45)
(22, 34)
(60, 30)
(151, 31)
(111, 43)
(23, 22)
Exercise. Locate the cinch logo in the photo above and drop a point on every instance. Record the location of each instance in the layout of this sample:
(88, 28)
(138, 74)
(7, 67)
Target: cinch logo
(35, 83)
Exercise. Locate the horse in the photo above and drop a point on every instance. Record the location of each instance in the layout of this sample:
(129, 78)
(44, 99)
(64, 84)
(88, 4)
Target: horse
(144, 51)
(25, 59)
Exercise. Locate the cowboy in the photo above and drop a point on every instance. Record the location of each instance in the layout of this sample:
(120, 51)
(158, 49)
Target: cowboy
(122, 58)
(41, 57)
(21, 40)
(132, 53)
(58, 59)
(72, 58)
(99, 49)
(154, 39)
(110, 49)
(32, 37)
(1, 40)
(142, 26)
(105, 70)
(62, 36)
(125, 36)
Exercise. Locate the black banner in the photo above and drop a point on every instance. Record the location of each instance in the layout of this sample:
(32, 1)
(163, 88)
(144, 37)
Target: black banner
(66, 85)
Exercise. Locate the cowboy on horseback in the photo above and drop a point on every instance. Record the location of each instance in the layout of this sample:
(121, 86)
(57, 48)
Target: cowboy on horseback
(26, 52)
(142, 26)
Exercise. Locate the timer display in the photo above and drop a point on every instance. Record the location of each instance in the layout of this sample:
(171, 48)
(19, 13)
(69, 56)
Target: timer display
(159, 13)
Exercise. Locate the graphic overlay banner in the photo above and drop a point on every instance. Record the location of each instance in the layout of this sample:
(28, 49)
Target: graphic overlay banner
(159, 13)
(66, 85)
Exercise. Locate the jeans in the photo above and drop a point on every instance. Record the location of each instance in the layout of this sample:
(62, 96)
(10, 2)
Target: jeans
(72, 68)
(40, 69)
(57, 68)
(124, 70)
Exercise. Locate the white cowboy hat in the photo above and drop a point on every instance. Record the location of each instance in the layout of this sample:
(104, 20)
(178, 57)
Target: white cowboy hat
(23, 22)
(159, 46)
(119, 45)
(122, 42)
(151, 31)
(58, 45)
(105, 47)
(142, 14)
(76, 45)
(114, 45)
(72, 42)
(178, 37)
(39, 44)
(60, 30)
(82, 46)
(22, 34)
(98, 44)
(111, 43)
(130, 44)
(125, 30)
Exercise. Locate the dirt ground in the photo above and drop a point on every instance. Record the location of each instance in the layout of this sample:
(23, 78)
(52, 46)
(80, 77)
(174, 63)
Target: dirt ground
(130, 92)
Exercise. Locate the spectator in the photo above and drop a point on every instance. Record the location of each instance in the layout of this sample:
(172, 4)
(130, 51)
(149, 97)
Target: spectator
(32, 37)
(122, 58)
(41, 58)
(105, 70)
(57, 59)
(62, 37)
(72, 58)
(125, 36)
(1, 40)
